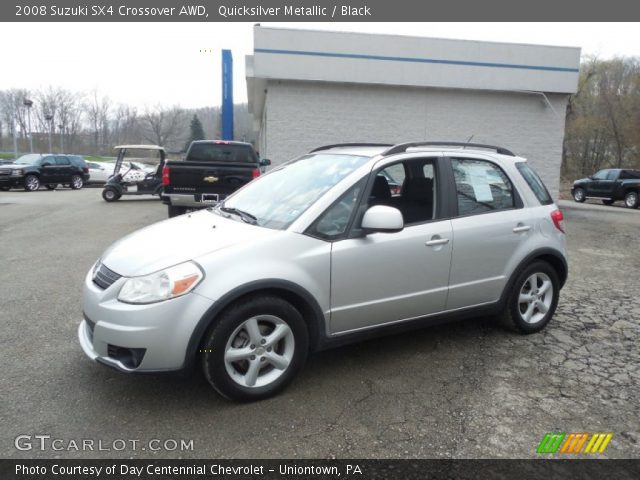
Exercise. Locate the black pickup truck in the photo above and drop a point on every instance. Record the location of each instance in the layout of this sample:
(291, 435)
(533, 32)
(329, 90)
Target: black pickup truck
(609, 186)
(211, 171)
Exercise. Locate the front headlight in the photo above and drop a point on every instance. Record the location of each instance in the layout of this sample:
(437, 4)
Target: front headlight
(163, 285)
(17, 172)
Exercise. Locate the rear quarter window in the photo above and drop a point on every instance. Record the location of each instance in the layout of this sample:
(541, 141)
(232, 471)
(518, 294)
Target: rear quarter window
(535, 183)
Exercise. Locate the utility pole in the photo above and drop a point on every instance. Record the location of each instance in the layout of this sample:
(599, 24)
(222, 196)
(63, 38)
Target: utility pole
(29, 103)
(49, 118)
(61, 128)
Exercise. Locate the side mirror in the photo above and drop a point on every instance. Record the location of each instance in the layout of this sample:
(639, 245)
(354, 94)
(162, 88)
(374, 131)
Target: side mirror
(265, 162)
(381, 218)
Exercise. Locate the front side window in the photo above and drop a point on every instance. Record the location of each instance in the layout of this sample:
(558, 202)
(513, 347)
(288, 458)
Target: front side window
(601, 175)
(481, 186)
(277, 199)
(333, 223)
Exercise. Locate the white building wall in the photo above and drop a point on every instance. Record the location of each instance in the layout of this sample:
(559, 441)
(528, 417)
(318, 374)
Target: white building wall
(304, 115)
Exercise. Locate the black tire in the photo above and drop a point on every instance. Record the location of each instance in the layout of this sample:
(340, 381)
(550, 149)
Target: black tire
(608, 202)
(632, 199)
(51, 186)
(579, 195)
(76, 182)
(512, 316)
(175, 211)
(110, 194)
(221, 332)
(5, 189)
(31, 183)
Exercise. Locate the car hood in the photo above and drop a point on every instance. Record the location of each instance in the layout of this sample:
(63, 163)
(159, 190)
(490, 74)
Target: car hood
(178, 240)
(9, 166)
(582, 180)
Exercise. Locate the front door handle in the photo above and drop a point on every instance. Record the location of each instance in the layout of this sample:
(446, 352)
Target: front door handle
(522, 228)
(434, 242)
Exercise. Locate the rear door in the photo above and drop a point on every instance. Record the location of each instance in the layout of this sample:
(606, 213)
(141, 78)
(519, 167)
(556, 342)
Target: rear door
(487, 230)
(64, 169)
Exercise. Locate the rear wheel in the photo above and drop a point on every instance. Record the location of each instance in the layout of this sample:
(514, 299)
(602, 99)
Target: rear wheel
(255, 348)
(51, 186)
(533, 298)
(77, 182)
(31, 183)
(175, 211)
(110, 194)
(631, 199)
(608, 202)
(579, 195)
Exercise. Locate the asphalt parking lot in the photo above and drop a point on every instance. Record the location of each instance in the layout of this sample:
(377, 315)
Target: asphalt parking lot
(462, 390)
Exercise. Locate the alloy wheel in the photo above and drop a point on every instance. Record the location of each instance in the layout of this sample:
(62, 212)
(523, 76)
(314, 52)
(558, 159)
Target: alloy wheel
(536, 297)
(259, 351)
(32, 183)
(631, 200)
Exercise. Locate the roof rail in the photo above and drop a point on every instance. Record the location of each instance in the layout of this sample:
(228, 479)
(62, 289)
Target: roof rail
(327, 147)
(403, 147)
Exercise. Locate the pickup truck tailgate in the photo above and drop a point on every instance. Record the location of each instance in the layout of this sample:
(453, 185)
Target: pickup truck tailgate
(206, 177)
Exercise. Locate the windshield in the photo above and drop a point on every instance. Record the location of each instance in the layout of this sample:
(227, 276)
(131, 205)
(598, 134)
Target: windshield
(279, 198)
(30, 159)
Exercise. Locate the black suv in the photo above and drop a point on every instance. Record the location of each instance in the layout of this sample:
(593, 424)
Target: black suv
(32, 170)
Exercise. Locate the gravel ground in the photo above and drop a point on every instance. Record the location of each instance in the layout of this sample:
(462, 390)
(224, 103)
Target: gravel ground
(463, 390)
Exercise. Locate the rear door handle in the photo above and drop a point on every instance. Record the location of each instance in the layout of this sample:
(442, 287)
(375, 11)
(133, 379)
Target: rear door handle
(522, 228)
(437, 241)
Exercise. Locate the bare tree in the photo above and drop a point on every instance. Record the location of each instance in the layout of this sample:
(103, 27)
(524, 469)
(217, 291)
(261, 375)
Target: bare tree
(164, 127)
(97, 111)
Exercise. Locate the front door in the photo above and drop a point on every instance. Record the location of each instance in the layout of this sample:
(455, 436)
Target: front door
(49, 170)
(383, 278)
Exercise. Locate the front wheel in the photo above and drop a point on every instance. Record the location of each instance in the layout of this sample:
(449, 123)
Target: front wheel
(631, 200)
(579, 195)
(255, 348)
(31, 183)
(533, 298)
(110, 194)
(76, 182)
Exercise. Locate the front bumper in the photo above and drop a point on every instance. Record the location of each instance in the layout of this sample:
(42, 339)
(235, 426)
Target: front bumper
(157, 335)
(11, 181)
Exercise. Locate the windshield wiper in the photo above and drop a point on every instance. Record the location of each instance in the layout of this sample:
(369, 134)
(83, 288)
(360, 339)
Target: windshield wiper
(245, 216)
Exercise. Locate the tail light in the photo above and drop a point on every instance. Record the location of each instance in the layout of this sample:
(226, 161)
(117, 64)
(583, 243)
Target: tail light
(255, 173)
(165, 175)
(558, 220)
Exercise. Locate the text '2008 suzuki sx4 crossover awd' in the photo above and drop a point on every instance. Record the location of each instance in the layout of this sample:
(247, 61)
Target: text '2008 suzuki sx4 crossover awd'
(344, 242)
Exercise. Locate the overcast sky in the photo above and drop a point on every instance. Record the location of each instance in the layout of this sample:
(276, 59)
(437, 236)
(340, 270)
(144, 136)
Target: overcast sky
(160, 63)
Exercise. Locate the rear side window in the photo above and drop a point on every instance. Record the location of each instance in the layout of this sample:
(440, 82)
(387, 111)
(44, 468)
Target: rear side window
(62, 161)
(534, 182)
(481, 187)
(220, 152)
(629, 174)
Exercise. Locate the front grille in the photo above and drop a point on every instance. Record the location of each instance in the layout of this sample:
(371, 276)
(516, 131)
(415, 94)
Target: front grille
(104, 277)
(5, 172)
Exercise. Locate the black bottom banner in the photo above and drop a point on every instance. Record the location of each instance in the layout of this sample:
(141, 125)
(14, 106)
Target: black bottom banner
(317, 469)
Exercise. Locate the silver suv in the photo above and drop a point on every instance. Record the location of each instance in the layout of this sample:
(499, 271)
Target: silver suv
(341, 243)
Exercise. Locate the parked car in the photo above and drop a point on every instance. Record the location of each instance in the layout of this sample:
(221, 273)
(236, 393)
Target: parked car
(33, 170)
(610, 185)
(318, 252)
(210, 171)
(99, 172)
